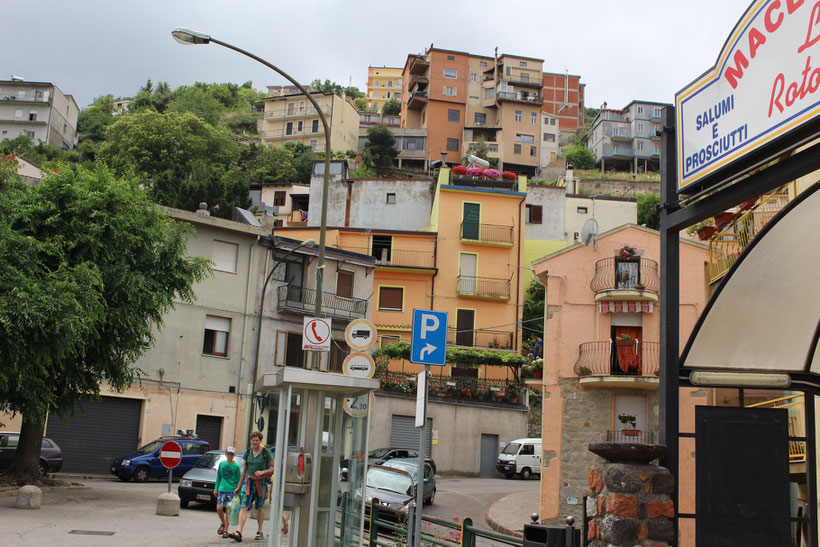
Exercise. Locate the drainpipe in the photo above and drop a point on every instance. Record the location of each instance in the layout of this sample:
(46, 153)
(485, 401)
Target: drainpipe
(518, 274)
(347, 204)
(433, 283)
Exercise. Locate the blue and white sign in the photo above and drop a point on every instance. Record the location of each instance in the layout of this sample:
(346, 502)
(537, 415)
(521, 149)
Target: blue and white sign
(429, 343)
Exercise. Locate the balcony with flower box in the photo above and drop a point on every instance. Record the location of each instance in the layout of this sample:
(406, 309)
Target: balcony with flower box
(455, 389)
(618, 363)
(626, 277)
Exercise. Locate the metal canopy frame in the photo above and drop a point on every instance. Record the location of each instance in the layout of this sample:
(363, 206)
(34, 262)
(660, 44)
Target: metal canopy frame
(735, 188)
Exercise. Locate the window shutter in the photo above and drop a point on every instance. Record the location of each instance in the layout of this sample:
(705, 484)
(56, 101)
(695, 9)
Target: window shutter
(344, 284)
(390, 298)
(281, 347)
(222, 324)
(536, 214)
(224, 256)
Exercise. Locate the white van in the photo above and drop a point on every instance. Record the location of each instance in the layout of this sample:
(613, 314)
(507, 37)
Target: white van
(522, 457)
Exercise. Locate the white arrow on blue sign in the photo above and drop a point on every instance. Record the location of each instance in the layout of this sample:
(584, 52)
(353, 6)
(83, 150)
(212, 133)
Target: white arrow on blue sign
(428, 345)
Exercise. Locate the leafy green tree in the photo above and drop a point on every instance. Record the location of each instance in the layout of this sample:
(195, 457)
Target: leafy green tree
(351, 91)
(153, 98)
(579, 156)
(648, 213)
(87, 265)
(360, 103)
(150, 143)
(92, 124)
(41, 153)
(380, 150)
(303, 158)
(533, 313)
(199, 101)
(392, 107)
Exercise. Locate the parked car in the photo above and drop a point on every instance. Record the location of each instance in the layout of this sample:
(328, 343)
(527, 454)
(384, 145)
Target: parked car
(381, 455)
(393, 488)
(522, 457)
(412, 467)
(198, 483)
(51, 457)
(144, 463)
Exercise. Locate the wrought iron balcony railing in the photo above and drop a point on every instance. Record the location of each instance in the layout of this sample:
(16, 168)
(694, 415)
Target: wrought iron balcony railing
(618, 358)
(626, 274)
(488, 287)
(480, 338)
(455, 387)
(398, 257)
(476, 182)
(795, 406)
(302, 300)
(487, 233)
(636, 436)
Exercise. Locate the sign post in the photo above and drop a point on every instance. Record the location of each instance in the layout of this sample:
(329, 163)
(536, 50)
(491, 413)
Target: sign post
(170, 455)
(428, 346)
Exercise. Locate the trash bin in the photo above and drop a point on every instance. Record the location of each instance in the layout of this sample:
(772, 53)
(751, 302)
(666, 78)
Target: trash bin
(541, 535)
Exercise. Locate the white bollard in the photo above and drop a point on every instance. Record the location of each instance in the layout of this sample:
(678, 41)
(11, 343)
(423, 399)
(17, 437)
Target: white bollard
(29, 497)
(168, 505)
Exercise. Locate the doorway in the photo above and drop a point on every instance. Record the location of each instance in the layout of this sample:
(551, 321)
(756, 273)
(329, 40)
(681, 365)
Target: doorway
(209, 428)
(467, 267)
(489, 455)
(627, 349)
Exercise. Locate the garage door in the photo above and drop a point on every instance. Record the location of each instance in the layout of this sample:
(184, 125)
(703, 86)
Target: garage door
(99, 432)
(403, 433)
(209, 428)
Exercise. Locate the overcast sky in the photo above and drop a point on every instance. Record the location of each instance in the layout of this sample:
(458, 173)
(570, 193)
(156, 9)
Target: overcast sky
(622, 49)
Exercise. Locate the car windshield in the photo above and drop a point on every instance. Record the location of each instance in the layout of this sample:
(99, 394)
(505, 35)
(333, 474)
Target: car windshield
(378, 453)
(150, 447)
(404, 466)
(388, 480)
(211, 460)
(511, 449)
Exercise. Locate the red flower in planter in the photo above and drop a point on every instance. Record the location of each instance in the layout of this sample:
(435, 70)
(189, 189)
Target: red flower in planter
(491, 174)
(509, 175)
(459, 170)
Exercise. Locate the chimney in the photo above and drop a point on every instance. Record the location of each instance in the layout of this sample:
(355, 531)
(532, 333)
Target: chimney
(203, 209)
(444, 159)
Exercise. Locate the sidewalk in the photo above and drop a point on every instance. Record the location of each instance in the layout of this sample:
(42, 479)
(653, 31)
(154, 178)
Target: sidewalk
(509, 514)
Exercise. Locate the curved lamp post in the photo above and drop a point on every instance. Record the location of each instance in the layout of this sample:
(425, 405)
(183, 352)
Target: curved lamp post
(189, 37)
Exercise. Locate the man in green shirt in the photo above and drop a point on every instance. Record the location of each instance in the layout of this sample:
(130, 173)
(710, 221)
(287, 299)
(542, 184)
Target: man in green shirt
(227, 479)
(254, 484)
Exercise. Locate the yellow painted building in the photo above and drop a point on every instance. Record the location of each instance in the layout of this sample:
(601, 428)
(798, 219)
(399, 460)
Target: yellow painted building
(291, 118)
(383, 84)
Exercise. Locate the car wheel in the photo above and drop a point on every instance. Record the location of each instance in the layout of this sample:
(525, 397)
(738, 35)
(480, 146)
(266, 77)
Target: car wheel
(509, 475)
(526, 473)
(432, 497)
(43, 468)
(141, 474)
(183, 503)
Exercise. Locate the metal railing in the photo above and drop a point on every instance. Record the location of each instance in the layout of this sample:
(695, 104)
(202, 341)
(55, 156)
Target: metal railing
(480, 338)
(26, 99)
(492, 287)
(295, 112)
(795, 405)
(476, 182)
(454, 387)
(611, 358)
(626, 274)
(398, 257)
(727, 244)
(521, 81)
(534, 98)
(302, 300)
(635, 436)
(620, 133)
(487, 233)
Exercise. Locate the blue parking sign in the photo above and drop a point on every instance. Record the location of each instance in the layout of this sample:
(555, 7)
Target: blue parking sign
(428, 345)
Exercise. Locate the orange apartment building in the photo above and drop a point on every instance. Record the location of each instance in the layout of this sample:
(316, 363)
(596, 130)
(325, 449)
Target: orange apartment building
(563, 96)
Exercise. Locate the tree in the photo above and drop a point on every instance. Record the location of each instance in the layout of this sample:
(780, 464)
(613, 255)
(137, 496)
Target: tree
(151, 98)
(533, 317)
(648, 214)
(380, 150)
(579, 156)
(87, 265)
(360, 103)
(41, 153)
(92, 124)
(392, 107)
(199, 102)
(351, 91)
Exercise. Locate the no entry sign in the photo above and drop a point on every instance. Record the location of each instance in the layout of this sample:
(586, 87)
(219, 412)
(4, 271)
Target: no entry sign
(170, 454)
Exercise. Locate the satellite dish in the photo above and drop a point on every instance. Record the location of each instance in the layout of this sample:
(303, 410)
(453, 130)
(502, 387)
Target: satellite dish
(589, 232)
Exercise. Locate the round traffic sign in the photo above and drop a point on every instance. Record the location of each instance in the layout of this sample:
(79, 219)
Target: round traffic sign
(316, 334)
(360, 334)
(359, 365)
(358, 407)
(170, 454)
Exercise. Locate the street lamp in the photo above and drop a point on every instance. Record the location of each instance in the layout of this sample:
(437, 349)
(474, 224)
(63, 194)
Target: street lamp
(189, 37)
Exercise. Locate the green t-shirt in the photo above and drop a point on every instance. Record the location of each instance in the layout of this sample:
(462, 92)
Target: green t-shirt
(258, 463)
(227, 476)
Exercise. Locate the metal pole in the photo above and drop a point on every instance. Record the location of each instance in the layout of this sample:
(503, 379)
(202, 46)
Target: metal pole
(670, 307)
(170, 475)
(422, 452)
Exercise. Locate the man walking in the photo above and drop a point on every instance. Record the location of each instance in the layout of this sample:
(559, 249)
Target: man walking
(227, 480)
(254, 485)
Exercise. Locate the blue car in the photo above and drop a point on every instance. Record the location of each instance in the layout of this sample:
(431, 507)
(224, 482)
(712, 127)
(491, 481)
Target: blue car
(144, 463)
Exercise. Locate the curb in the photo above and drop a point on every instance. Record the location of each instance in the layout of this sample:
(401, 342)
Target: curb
(9, 491)
(500, 528)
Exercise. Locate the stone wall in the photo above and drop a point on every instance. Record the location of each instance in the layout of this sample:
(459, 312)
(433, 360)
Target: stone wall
(619, 188)
(534, 417)
(630, 505)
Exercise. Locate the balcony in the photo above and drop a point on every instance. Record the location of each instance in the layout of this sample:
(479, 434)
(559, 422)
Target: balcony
(480, 338)
(476, 182)
(622, 134)
(656, 115)
(489, 288)
(403, 258)
(532, 97)
(656, 153)
(535, 84)
(655, 133)
(618, 363)
(293, 298)
(26, 99)
(297, 218)
(795, 406)
(419, 82)
(497, 235)
(621, 152)
(626, 279)
(633, 436)
(419, 64)
(417, 100)
(451, 388)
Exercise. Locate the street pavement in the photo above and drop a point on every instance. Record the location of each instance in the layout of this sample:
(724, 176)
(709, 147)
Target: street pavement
(106, 511)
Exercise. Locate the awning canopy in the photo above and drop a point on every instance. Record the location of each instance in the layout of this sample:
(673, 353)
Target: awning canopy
(765, 316)
(626, 306)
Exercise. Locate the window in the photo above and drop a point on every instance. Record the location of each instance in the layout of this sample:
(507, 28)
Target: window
(389, 94)
(525, 77)
(413, 143)
(480, 118)
(32, 116)
(527, 450)
(656, 113)
(224, 256)
(489, 92)
(509, 70)
(450, 73)
(299, 126)
(217, 330)
(294, 354)
(582, 210)
(18, 113)
(301, 106)
(314, 144)
(453, 115)
(482, 63)
(522, 63)
(518, 116)
(533, 150)
(640, 110)
(492, 147)
(549, 137)
(389, 83)
(452, 144)
(552, 121)
(640, 127)
(449, 91)
(30, 134)
(291, 108)
(534, 214)
(534, 118)
(391, 197)
(451, 57)
(289, 128)
(519, 137)
(375, 83)
(314, 126)
(279, 197)
(640, 146)
(516, 148)
(344, 284)
(382, 246)
(391, 298)
(473, 77)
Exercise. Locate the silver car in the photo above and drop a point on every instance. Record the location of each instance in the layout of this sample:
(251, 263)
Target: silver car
(198, 483)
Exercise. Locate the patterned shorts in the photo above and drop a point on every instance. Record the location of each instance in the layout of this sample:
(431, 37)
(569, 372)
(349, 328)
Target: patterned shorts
(224, 498)
(247, 501)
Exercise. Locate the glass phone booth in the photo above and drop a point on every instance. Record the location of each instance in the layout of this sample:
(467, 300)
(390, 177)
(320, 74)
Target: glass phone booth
(317, 428)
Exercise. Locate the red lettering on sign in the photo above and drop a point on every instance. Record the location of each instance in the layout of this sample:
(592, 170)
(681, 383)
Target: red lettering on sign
(771, 26)
(733, 74)
(814, 20)
(792, 5)
(794, 92)
(756, 39)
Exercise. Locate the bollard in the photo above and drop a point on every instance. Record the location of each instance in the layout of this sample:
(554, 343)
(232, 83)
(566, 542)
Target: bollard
(168, 505)
(29, 497)
(570, 531)
(467, 535)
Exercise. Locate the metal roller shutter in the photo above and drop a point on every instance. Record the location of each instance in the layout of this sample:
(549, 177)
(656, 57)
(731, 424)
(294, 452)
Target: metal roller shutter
(403, 433)
(209, 428)
(99, 432)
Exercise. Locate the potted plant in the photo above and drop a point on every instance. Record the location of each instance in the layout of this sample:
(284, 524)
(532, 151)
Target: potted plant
(627, 250)
(723, 219)
(460, 170)
(584, 371)
(705, 230)
(511, 393)
(474, 172)
(537, 368)
(631, 421)
(491, 174)
(509, 175)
